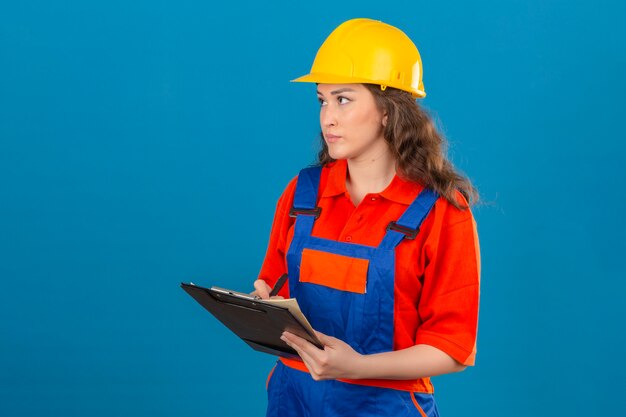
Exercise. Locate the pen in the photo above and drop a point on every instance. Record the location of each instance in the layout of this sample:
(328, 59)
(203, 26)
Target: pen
(279, 284)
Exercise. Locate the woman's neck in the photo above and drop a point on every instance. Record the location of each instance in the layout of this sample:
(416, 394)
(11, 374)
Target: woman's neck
(371, 175)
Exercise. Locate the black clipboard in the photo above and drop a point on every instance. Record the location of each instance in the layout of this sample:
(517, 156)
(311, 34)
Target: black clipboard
(257, 322)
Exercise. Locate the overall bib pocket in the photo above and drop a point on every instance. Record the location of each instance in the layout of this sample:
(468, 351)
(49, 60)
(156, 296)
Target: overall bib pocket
(335, 271)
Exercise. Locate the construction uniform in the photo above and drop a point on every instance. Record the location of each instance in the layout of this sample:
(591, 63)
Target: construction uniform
(400, 269)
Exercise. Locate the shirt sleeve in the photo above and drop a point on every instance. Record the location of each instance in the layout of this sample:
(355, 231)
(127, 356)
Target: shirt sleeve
(448, 306)
(274, 264)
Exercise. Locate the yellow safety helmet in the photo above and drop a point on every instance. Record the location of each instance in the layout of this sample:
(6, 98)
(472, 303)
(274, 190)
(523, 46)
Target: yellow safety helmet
(370, 52)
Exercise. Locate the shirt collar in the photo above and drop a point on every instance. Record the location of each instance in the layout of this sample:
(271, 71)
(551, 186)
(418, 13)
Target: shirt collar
(399, 190)
(336, 180)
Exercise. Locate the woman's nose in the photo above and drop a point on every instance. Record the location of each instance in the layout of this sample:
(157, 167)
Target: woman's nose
(328, 117)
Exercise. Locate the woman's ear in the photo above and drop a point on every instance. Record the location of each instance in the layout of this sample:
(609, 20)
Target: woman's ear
(385, 120)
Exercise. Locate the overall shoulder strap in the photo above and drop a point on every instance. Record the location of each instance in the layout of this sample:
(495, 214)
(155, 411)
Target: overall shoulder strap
(305, 199)
(407, 226)
(306, 188)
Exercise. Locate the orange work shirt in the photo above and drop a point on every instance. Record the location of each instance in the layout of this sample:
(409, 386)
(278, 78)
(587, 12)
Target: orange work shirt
(437, 274)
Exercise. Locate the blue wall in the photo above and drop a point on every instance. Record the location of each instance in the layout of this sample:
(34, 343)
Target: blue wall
(145, 143)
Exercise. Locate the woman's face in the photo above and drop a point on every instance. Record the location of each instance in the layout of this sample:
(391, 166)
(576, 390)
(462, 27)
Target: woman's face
(351, 123)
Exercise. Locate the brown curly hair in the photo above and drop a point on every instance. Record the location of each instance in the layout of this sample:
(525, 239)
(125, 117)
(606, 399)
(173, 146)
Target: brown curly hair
(418, 148)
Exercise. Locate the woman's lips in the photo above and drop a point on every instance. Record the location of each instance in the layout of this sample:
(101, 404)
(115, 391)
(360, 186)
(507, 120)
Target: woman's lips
(331, 138)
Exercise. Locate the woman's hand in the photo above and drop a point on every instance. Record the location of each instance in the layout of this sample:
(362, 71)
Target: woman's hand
(263, 290)
(336, 360)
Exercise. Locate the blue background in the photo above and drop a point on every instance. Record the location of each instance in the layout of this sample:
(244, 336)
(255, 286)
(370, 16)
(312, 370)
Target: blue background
(145, 143)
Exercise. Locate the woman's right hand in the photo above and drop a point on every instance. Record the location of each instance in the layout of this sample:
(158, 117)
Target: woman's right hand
(261, 289)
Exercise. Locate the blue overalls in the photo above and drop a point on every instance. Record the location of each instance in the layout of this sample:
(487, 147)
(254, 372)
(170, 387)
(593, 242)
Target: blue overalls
(363, 319)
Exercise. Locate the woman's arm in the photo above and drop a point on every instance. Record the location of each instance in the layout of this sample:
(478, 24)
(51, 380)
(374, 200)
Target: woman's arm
(339, 360)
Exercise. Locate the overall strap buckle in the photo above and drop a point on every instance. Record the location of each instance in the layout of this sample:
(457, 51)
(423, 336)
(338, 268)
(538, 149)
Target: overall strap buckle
(294, 212)
(407, 231)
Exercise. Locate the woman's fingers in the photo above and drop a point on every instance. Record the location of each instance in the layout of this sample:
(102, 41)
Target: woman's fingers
(336, 360)
(310, 354)
(301, 345)
(261, 289)
(326, 340)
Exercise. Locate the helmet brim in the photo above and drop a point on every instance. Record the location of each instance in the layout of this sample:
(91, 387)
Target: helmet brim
(338, 79)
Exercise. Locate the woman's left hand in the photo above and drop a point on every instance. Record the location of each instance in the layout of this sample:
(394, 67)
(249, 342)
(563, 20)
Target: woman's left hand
(336, 360)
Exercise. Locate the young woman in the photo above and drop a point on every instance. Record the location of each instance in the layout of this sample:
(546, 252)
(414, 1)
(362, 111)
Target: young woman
(377, 239)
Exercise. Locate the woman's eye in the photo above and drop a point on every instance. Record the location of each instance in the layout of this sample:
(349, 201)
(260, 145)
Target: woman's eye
(343, 100)
(321, 101)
